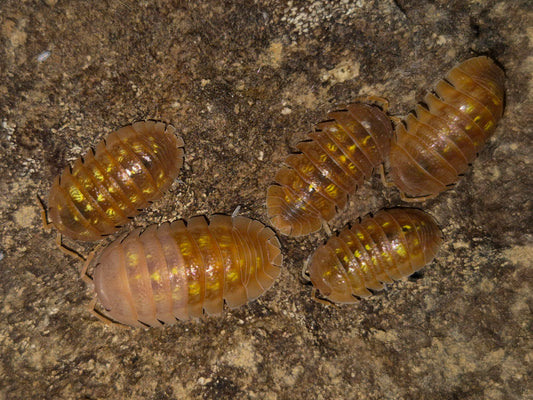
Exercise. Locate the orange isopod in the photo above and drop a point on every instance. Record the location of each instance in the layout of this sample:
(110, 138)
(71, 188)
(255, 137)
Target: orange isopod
(126, 172)
(342, 152)
(179, 271)
(436, 145)
(390, 245)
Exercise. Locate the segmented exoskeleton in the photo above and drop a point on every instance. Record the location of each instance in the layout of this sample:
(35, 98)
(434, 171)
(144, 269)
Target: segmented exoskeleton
(180, 270)
(390, 245)
(342, 152)
(443, 136)
(126, 172)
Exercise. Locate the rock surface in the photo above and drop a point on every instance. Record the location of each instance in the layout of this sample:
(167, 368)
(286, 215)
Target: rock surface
(243, 82)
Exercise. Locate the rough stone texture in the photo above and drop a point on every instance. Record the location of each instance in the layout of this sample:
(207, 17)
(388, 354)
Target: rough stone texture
(243, 81)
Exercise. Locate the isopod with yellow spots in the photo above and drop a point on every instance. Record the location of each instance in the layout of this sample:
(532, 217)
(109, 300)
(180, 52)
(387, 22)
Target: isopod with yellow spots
(339, 156)
(442, 138)
(391, 245)
(127, 171)
(180, 270)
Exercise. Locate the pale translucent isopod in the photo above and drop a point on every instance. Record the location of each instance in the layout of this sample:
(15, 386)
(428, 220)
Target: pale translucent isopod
(180, 270)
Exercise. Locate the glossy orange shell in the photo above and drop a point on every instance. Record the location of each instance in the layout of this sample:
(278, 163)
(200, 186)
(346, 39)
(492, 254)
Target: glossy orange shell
(388, 246)
(341, 153)
(128, 170)
(442, 137)
(179, 271)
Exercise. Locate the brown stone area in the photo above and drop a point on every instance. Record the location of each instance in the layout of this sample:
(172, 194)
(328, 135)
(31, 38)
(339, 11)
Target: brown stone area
(243, 82)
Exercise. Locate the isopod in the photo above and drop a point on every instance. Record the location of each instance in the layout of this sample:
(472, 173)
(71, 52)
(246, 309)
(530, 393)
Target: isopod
(340, 154)
(179, 271)
(126, 172)
(391, 245)
(440, 140)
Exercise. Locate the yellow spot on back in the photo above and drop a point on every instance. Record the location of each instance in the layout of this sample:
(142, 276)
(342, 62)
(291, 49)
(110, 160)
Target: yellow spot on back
(307, 169)
(194, 288)
(75, 194)
(156, 277)
(203, 240)
(133, 258)
(232, 276)
(214, 286)
(401, 251)
(331, 189)
(98, 175)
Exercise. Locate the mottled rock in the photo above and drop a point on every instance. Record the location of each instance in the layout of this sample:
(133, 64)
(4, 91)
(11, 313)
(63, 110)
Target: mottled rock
(243, 82)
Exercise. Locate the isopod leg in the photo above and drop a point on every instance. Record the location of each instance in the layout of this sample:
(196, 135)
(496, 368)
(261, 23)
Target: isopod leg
(326, 227)
(67, 250)
(236, 212)
(384, 180)
(314, 297)
(305, 273)
(46, 225)
(417, 199)
(380, 101)
(83, 272)
(396, 120)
